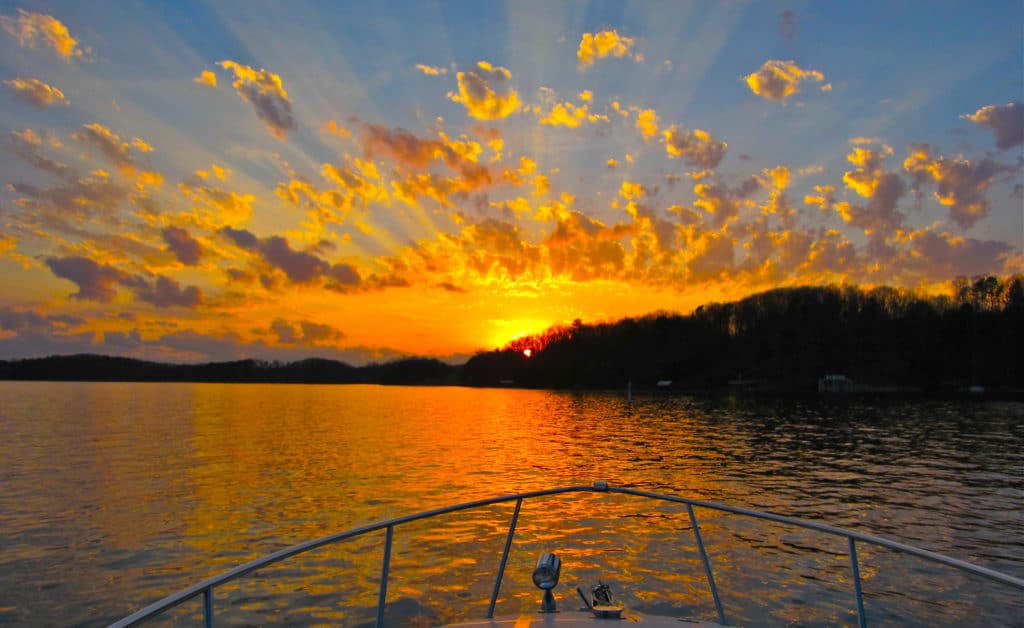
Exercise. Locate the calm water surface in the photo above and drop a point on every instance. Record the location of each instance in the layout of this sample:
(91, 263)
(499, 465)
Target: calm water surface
(113, 495)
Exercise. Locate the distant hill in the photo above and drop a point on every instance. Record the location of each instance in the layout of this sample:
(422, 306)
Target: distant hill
(87, 367)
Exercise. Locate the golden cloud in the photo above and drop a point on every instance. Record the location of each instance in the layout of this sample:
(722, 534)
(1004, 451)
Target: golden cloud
(824, 199)
(359, 180)
(485, 93)
(1007, 122)
(570, 115)
(632, 191)
(647, 123)
(866, 178)
(207, 78)
(111, 146)
(961, 184)
(883, 190)
(778, 80)
(215, 207)
(36, 93)
(711, 255)
(717, 200)
(34, 28)
(431, 70)
(696, 148)
(776, 180)
(265, 92)
(333, 128)
(460, 155)
(594, 46)
(584, 248)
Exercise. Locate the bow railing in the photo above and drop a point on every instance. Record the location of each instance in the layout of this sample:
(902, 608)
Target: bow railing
(206, 587)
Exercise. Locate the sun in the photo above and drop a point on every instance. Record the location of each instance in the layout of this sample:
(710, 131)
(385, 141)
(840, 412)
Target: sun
(506, 331)
(527, 352)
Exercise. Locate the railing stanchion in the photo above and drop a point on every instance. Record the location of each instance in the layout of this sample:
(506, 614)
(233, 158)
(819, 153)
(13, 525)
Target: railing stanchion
(384, 575)
(208, 607)
(504, 558)
(707, 563)
(861, 619)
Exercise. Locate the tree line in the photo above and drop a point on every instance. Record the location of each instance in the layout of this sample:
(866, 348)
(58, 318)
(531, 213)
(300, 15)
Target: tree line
(783, 340)
(786, 339)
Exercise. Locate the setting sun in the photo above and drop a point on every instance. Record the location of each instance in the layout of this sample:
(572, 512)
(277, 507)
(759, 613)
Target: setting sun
(527, 352)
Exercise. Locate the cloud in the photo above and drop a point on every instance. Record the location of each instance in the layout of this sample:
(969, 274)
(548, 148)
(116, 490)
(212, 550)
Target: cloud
(111, 146)
(712, 254)
(333, 128)
(98, 282)
(95, 282)
(779, 80)
(344, 275)
(306, 333)
(183, 245)
(594, 46)
(961, 184)
(485, 92)
(301, 267)
(265, 92)
(410, 150)
(404, 147)
(939, 255)
(696, 148)
(824, 198)
(207, 78)
(167, 292)
(36, 93)
(717, 200)
(217, 207)
(430, 70)
(242, 239)
(26, 144)
(569, 115)
(1007, 122)
(647, 123)
(24, 320)
(36, 28)
(72, 207)
(882, 189)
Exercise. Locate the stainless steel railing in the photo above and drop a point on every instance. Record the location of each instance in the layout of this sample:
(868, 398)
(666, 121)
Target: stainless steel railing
(205, 588)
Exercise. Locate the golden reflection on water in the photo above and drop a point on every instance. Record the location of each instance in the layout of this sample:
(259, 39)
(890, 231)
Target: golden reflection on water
(118, 494)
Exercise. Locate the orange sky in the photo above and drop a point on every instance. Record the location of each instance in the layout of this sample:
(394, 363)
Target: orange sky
(185, 182)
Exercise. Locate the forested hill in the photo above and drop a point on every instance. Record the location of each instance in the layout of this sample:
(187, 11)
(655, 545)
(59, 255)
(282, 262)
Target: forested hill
(313, 371)
(786, 339)
(781, 340)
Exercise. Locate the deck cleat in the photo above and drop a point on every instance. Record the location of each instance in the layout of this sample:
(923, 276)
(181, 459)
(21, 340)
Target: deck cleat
(600, 602)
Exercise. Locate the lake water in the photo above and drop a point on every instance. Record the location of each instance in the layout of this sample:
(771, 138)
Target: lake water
(114, 495)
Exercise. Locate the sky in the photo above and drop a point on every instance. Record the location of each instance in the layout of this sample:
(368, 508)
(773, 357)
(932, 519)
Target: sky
(204, 181)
